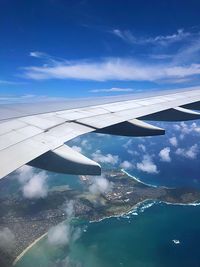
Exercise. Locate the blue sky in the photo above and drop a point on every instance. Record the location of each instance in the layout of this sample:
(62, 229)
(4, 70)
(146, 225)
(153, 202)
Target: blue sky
(91, 48)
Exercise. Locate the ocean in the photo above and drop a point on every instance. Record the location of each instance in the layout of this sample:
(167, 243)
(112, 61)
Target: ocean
(145, 238)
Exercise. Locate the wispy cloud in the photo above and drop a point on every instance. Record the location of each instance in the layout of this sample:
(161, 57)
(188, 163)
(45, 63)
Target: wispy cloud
(45, 56)
(112, 69)
(126, 165)
(173, 141)
(100, 185)
(7, 82)
(38, 54)
(186, 49)
(64, 233)
(112, 90)
(129, 37)
(7, 239)
(77, 148)
(188, 53)
(108, 158)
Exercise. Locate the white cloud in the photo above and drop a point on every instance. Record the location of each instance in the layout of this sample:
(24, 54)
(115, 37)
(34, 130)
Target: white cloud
(112, 90)
(190, 153)
(187, 128)
(36, 187)
(69, 209)
(85, 144)
(7, 239)
(111, 69)
(34, 184)
(147, 165)
(24, 174)
(126, 165)
(165, 154)
(100, 185)
(108, 158)
(173, 141)
(64, 233)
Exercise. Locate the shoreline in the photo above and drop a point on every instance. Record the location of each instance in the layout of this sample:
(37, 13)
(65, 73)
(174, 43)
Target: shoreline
(149, 202)
(136, 208)
(27, 249)
(137, 179)
(141, 182)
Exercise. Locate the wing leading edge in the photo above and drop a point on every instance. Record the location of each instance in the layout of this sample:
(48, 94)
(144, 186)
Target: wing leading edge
(39, 139)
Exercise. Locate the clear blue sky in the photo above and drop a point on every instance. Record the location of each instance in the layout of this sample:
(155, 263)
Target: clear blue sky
(90, 48)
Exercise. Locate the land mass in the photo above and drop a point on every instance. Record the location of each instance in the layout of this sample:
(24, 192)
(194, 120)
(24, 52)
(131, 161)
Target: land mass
(30, 219)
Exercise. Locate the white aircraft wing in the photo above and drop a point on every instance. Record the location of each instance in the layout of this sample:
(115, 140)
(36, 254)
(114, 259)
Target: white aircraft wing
(35, 133)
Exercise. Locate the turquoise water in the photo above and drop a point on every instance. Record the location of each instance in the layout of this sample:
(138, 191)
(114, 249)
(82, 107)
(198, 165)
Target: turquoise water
(143, 240)
(72, 181)
(11, 186)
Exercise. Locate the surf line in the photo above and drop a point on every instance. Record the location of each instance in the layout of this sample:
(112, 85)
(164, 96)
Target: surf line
(27, 249)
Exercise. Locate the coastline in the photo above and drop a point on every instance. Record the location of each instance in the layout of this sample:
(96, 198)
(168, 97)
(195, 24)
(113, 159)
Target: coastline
(27, 249)
(141, 206)
(139, 181)
(133, 209)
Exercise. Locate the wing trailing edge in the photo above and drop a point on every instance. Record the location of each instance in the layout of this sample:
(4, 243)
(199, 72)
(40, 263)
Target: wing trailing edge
(132, 127)
(173, 114)
(66, 160)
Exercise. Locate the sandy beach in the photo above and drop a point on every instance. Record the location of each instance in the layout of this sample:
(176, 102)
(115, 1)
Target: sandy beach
(27, 249)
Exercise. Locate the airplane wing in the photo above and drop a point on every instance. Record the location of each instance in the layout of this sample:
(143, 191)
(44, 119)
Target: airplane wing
(36, 133)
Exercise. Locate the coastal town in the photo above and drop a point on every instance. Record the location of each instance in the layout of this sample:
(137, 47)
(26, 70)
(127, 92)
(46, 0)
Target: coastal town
(30, 219)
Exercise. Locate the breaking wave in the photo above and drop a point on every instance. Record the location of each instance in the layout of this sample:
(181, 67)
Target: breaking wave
(139, 181)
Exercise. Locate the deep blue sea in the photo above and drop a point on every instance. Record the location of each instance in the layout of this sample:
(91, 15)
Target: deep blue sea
(154, 235)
